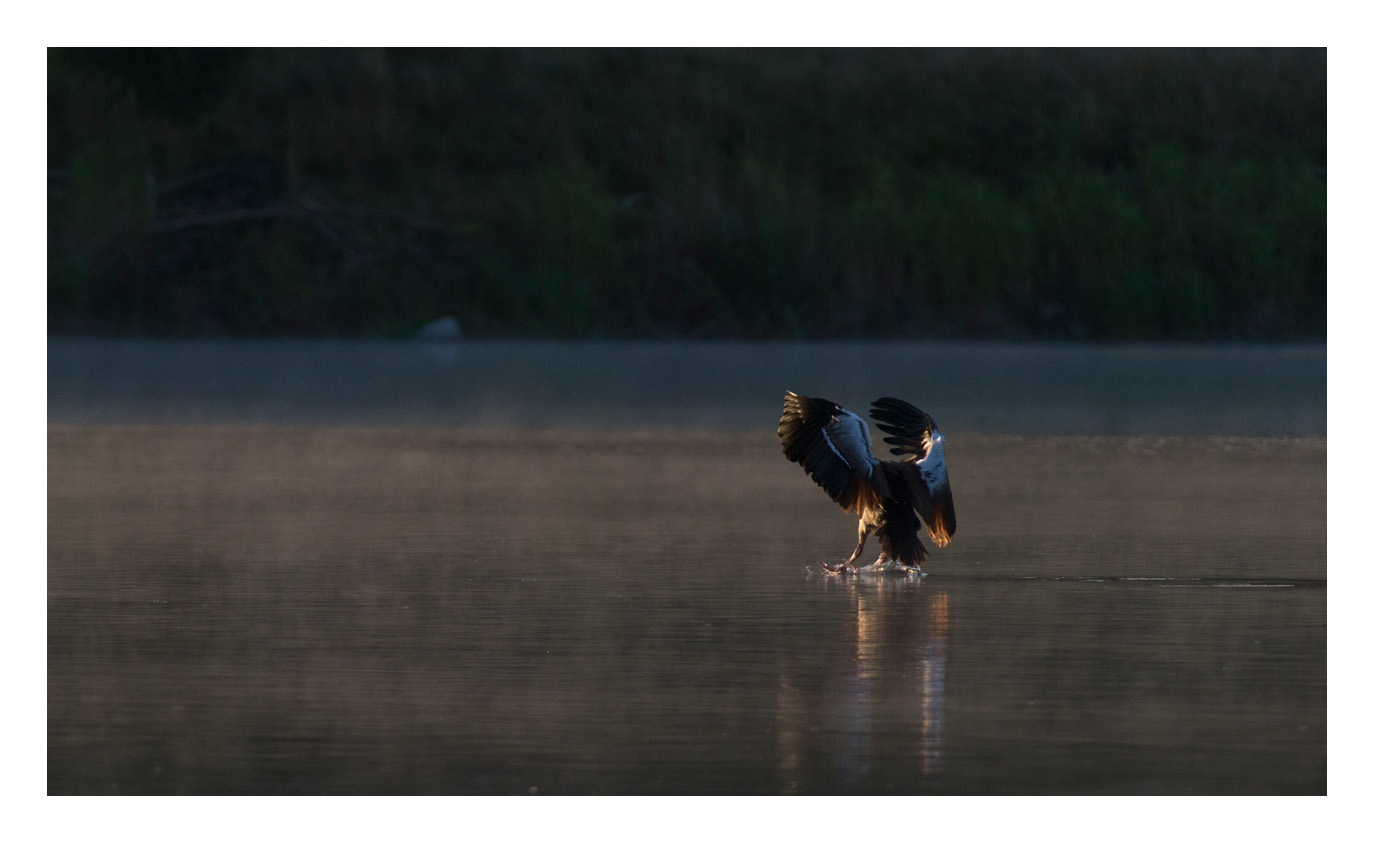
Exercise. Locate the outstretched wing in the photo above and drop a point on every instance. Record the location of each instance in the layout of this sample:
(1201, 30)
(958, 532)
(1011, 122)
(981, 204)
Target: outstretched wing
(910, 428)
(832, 445)
(915, 438)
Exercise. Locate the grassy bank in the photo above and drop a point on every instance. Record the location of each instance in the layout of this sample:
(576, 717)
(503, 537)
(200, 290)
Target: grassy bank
(627, 193)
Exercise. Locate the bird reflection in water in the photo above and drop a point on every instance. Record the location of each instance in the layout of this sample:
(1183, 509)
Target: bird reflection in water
(868, 715)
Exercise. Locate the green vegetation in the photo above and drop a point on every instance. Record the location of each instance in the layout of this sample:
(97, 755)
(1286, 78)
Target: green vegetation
(1107, 194)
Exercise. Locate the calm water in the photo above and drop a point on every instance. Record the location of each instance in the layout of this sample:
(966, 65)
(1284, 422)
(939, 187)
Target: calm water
(366, 607)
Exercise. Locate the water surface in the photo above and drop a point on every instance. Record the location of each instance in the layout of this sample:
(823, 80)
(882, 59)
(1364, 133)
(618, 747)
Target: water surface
(359, 609)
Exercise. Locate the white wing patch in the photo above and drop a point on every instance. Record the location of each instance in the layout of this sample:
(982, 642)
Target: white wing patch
(932, 466)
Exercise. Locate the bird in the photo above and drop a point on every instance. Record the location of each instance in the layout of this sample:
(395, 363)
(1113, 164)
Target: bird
(832, 444)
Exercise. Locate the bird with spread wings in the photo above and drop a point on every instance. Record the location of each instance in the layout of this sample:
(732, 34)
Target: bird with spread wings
(833, 446)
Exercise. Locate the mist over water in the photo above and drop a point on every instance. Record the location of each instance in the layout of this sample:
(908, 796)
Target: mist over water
(1183, 389)
(288, 567)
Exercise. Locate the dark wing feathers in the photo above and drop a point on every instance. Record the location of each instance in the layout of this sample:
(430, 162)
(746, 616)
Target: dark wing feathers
(802, 430)
(910, 427)
(941, 522)
(912, 431)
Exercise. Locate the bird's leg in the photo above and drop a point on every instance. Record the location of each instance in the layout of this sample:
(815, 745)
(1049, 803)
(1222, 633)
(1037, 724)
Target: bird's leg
(849, 564)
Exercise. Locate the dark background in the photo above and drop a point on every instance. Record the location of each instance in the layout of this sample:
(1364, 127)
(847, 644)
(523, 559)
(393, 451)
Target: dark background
(799, 193)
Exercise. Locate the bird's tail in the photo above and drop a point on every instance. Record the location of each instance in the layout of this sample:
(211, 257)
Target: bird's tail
(898, 533)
